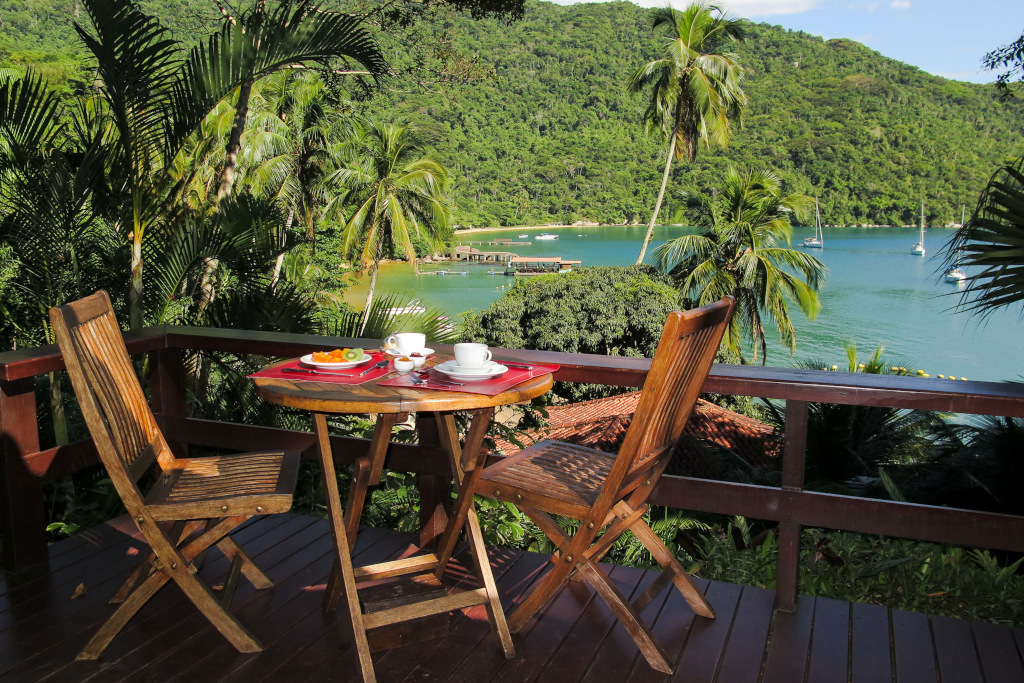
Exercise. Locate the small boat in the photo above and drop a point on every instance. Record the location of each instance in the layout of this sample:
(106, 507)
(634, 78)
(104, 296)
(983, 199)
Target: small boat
(955, 275)
(818, 240)
(523, 236)
(546, 236)
(918, 249)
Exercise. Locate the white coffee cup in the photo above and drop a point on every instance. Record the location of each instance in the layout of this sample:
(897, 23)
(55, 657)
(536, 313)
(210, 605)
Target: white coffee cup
(470, 355)
(407, 342)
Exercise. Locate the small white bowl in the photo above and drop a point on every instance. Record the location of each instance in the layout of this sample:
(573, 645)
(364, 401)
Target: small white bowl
(404, 364)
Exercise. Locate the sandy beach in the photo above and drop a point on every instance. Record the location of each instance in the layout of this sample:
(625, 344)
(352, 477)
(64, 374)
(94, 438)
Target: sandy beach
(468, 231)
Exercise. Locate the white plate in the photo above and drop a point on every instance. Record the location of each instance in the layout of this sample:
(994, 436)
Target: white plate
(308, 360)
(394, 352)
(453, 370)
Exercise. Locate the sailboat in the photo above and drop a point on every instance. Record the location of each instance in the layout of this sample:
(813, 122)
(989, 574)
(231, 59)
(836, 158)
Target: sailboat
(818, 240)
(918, 249)
(954, 274)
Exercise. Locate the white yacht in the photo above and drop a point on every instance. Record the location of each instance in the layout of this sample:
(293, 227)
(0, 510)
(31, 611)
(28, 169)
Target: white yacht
(818, 240)
(918, 249)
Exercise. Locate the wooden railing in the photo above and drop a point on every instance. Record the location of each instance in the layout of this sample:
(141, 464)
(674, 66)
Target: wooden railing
(23, 466)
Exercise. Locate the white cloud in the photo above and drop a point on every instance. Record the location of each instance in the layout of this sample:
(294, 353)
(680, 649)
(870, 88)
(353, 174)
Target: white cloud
(900, 5)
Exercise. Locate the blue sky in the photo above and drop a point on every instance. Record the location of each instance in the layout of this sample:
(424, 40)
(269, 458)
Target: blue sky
(943, 37)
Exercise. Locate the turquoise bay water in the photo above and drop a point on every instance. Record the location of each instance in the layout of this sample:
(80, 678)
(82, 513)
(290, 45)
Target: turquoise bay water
(876, 293)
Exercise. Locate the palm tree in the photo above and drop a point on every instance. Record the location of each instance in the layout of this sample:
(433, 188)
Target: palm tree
(743, 251)
(695, 86)
(257, 43)
(398, 192)
(992, 241)
(292, 147)
(155, 97)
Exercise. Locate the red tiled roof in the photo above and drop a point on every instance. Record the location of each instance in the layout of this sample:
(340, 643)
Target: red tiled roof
(602, 424)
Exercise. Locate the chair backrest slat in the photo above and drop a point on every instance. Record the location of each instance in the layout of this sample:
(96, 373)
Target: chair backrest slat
(681, 364)
(109, 393)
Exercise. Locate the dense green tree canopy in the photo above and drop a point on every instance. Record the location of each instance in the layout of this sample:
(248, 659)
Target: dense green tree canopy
(589, 310)
(554, 136)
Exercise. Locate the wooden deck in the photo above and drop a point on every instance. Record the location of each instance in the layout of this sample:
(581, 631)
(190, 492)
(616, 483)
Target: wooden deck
(575, 639)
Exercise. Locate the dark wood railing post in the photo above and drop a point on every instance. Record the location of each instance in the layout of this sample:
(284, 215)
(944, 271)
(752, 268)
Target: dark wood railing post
(794, 460)
(167, 390)
(435, 492)
(22, 514)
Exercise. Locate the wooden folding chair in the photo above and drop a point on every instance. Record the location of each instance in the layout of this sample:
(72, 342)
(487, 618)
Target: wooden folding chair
(194, 503)
(608, 492)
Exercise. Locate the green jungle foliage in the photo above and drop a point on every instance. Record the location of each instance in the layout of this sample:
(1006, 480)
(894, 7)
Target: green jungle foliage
(550, 134)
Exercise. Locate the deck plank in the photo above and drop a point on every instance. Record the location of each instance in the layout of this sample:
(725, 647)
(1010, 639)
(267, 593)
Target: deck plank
(955, 650)
(746, 649)
(790, 637)
(580, 646)
(297, 620)
(913, 647)
(870, 658)
(706, 644)
(672, 629)
(469, 629)
(617, 653)
(1000, 658)
(830, 641)
(70, 635)
(576, 638)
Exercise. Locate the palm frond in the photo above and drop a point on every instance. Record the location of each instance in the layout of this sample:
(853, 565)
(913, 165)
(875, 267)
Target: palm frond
(991, 244)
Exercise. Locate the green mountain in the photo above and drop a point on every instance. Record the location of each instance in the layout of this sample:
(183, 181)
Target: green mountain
(556, 136)
(552, 136)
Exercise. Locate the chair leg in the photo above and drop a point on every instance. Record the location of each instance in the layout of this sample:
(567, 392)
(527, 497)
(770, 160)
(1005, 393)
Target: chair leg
(563, 567)
(122, 615)
(225, 622)
(627, 615)
(669, 564)
(483, 570)
(249, 569)
(179, 530)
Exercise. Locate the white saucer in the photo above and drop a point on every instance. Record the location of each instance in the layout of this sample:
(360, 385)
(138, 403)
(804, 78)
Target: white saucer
(487, 371)
(395, 352)
(308, 360)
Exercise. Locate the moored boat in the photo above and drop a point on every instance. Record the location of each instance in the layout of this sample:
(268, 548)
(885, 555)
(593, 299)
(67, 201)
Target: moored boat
(918, 249)
(818, 240)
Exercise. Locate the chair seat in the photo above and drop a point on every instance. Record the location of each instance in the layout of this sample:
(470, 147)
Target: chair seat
(219, 486)
(559, 477)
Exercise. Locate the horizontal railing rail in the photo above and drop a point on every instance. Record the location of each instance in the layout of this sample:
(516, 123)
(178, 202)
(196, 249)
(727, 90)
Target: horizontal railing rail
(25, 465)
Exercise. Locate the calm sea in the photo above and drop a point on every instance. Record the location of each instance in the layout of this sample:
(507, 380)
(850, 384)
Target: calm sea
(876, 294)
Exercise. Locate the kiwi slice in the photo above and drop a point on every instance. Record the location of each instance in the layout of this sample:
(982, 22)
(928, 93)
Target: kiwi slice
(352, 354)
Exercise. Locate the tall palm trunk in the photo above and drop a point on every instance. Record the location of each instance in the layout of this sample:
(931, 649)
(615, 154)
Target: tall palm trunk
(369, 297)
(227, 176)
(135, 286)
(661, 198)
(279, 261)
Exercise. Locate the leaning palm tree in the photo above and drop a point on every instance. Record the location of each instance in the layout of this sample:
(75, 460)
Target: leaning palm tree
(743, 250)
(992, 241)
(398, 192)
(695, 86)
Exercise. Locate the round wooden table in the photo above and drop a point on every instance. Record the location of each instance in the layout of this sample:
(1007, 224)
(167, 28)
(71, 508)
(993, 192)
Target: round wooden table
(387, 403)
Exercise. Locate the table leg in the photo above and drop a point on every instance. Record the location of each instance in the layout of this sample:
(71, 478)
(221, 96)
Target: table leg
(464, 516)
(342, 580)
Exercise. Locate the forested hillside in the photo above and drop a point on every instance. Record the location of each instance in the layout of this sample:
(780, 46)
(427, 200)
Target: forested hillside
(553, 135)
